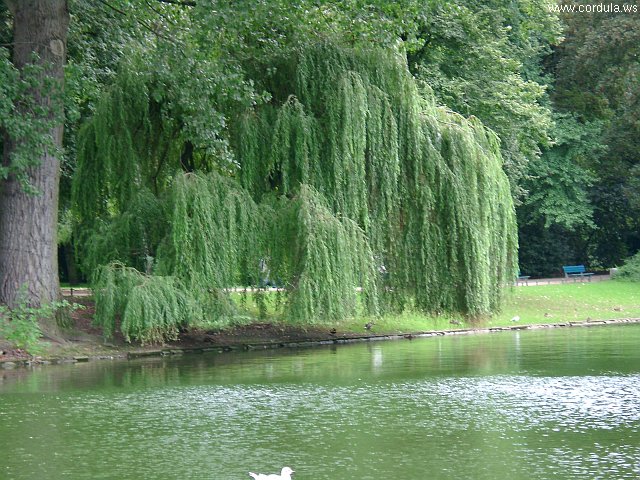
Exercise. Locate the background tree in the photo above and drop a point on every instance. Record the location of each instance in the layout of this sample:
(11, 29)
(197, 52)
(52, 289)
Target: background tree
(592, 166)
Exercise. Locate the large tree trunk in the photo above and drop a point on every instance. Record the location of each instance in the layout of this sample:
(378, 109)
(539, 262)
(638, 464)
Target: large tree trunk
(28, 222)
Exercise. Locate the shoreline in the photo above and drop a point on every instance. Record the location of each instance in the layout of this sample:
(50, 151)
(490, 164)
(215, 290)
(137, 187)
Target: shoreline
(130, 353)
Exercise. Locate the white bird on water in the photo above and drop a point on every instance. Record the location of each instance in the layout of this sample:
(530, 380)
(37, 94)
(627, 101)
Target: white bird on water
(285, 474)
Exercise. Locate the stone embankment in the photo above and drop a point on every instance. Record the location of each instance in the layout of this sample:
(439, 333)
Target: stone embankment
(239, 345)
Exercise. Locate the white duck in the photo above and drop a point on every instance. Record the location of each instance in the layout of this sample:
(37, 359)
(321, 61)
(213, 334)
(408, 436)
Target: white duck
(285, 474)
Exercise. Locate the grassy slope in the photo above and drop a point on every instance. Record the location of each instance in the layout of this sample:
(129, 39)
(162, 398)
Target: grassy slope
(572, 302)
(561, 303)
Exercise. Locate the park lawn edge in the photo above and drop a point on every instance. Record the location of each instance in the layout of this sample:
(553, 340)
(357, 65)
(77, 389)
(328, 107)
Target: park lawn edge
(601, 303)
(71, 354)
(176, 348)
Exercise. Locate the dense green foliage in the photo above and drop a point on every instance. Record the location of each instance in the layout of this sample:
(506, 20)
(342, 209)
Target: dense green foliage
(151, 307)
(23, 121)
(348, 172)
(483, 58)
(631, 269)
(20, 324)
(424, 184)
(316, 142)
(583, 206)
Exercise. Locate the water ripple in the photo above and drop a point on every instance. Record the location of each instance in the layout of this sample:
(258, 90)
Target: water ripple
(456, 408)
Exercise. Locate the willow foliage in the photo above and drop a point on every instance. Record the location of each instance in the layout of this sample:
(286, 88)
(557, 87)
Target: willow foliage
(327, 257)
(424, 185)
(351, 179)
(127, 145)
(131, 237)
(215, 240)
(214, 227)
(151, 308)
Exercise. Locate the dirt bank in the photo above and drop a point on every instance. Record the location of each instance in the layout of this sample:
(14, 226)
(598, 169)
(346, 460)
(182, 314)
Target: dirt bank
(84, 342)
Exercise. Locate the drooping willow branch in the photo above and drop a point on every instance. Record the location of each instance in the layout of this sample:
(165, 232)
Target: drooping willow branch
(425, 185)
(351, 179)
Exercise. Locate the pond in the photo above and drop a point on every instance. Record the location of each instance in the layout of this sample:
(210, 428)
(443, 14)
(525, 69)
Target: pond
(543, 404)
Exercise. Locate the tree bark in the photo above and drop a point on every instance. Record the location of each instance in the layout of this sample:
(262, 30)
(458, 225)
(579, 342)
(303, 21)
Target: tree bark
(28, 222)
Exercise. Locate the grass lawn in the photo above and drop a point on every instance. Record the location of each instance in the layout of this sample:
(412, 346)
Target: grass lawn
(571, 302)
(533, 304)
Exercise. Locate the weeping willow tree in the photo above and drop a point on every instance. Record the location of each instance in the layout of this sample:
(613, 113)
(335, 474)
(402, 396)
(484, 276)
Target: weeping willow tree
(425, 185)
(357, 191)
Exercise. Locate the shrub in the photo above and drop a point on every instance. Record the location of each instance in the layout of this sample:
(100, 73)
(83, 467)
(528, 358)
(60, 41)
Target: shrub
(630, 270)
(20, 325)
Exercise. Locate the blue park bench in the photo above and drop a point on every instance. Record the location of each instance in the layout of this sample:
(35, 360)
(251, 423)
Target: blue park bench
(576, 271)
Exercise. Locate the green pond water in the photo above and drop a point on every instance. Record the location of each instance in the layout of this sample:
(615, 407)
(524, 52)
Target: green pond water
(542, 404)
